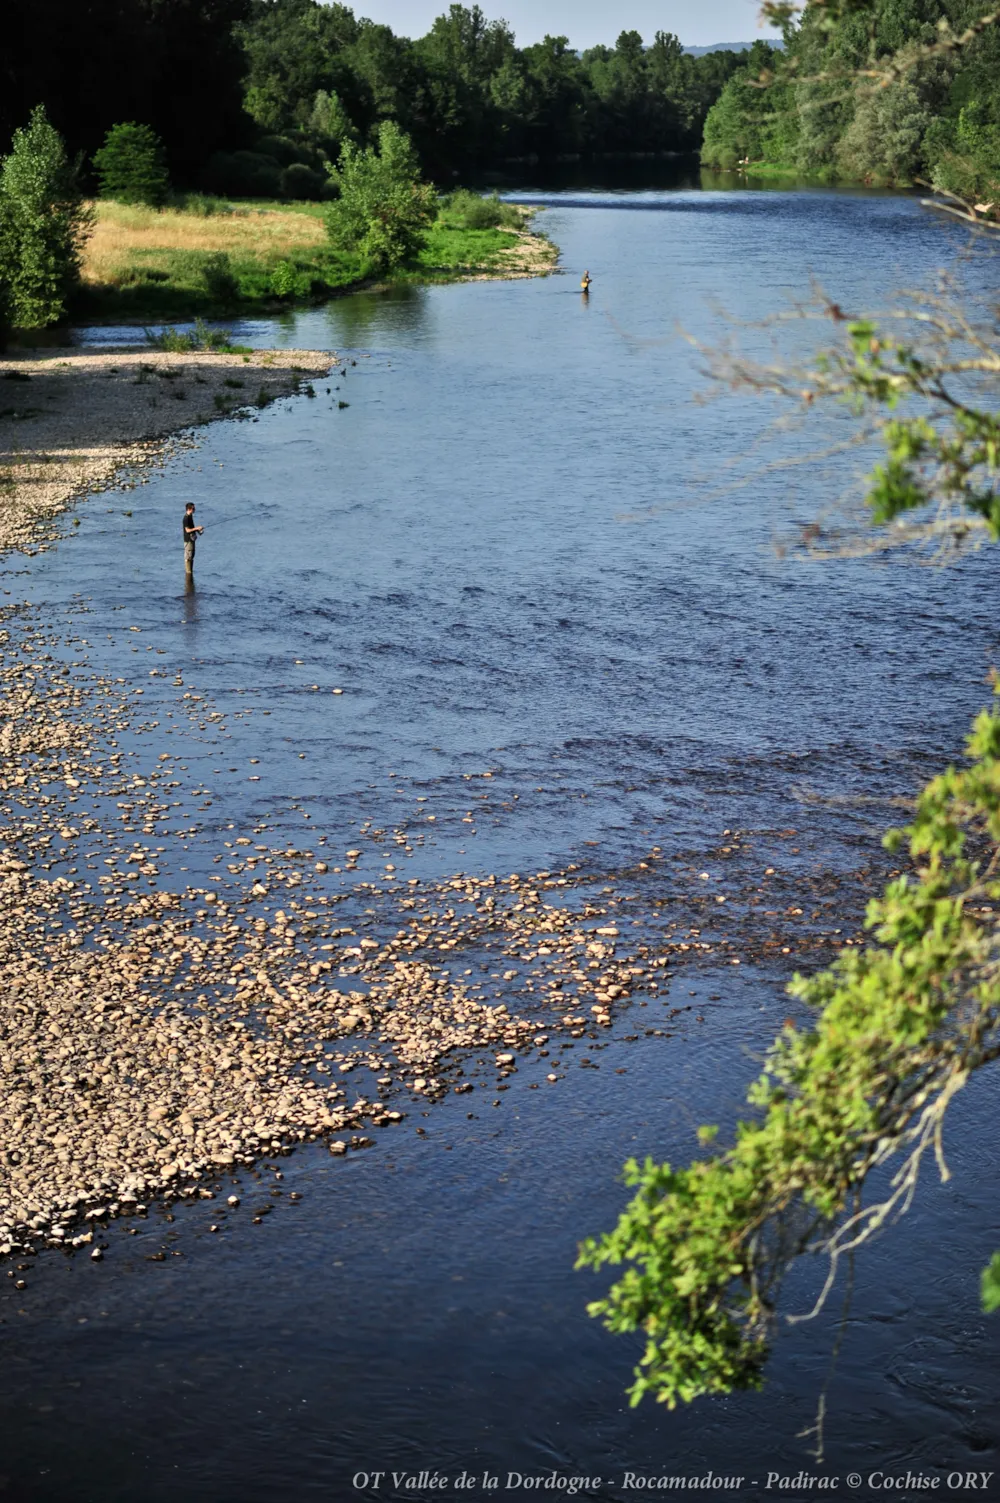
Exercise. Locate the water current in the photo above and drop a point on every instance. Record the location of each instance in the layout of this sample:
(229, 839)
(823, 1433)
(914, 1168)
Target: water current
(505, 529)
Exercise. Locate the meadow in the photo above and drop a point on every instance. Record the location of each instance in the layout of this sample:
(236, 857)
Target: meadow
(207, 257)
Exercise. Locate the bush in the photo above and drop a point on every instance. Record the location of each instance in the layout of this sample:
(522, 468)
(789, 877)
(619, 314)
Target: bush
(383, 209)
(202, 205)
(220, 284)
(43, 224)
(131, 167)
(284, 280)
(300, 181)
(478, 213)
(200, 338)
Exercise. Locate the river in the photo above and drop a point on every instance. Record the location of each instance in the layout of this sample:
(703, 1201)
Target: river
(512, 538)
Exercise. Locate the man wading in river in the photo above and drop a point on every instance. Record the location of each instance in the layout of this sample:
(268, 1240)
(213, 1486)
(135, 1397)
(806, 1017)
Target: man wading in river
(190, 532)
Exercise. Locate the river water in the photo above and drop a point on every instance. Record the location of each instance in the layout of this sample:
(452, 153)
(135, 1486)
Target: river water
(512, 538)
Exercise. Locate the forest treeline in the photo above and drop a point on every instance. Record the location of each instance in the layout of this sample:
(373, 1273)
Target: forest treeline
(818, 114)
(254, 97)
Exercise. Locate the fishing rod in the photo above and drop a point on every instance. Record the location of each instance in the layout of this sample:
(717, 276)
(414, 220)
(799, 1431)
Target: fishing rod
(233, 516)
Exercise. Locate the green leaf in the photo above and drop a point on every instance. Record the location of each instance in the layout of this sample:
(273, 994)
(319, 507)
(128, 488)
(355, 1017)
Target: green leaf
(991, 1285)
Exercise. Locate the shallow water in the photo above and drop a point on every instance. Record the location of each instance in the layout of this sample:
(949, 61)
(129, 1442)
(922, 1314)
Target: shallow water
(518, 550)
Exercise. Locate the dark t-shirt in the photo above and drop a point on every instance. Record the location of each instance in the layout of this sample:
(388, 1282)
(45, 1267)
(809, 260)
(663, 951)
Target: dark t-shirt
(188, 528)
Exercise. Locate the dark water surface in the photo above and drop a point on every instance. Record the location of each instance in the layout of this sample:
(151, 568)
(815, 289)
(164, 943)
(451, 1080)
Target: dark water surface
(516, 551)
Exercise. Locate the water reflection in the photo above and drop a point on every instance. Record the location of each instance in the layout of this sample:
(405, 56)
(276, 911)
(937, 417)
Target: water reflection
(403, 308)
(190, 601)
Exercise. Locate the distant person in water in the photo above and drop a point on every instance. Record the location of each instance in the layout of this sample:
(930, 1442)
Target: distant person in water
(190, 537)
(585, 282)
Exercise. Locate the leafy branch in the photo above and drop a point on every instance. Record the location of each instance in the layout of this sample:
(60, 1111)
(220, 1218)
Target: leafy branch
(910, 379)
(901, 1026)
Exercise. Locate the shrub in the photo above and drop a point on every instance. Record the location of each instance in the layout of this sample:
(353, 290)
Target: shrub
(202, 205)
(220, 284)
(43, 224)
(383, 209)
(201, 337)
(300, 181)
(478, 213)
(131, 167)
(330, 122)
(284, 280)
(171, 340)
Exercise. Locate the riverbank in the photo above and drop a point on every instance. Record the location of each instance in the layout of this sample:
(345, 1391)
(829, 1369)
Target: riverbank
(142, 265)
(71, 420)
(160, 1029)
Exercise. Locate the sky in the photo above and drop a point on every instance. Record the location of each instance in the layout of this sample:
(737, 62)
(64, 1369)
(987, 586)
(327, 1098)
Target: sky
(698, 23)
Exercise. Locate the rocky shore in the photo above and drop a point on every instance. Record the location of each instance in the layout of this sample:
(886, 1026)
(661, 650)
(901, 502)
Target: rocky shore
(157, 1029)
(71, 420)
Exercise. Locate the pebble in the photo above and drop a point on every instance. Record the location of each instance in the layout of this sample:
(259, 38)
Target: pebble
(153, 1036)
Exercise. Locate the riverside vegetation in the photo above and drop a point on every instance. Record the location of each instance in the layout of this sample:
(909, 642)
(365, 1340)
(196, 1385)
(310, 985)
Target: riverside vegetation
(881, 93)
(273, 89)
(129, 258)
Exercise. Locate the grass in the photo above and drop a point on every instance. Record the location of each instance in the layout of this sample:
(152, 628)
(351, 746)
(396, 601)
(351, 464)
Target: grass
(125, 236)
(215, 258)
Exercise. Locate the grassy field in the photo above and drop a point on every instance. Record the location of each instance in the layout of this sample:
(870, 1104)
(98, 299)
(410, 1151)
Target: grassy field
(213, 259)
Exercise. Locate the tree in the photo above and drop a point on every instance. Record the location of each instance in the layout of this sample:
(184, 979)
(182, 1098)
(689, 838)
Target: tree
(131, 167)
(383, 208)
(748, 122)
(43, 224)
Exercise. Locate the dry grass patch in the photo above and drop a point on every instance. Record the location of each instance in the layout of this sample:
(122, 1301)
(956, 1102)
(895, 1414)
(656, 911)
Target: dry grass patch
(123, 234)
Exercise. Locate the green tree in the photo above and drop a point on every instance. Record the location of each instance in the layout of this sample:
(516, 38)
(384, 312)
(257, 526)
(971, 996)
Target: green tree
(383, 208)
(43, 224)
(329, 123)
(131, 167)
(748, 122)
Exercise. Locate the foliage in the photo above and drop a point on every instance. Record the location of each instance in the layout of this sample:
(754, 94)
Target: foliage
(43, 224)
(318, 76)
(288, 282)
(200, 338)
(126, 279)
(220, 283)
(465, 93)
(383, 208)
(131, 166)
(991, 1285)
(748, 123)
(882, 90)
(901, 1025)
(474, 212)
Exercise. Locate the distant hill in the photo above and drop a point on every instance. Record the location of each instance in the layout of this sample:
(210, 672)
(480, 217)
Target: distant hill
(730, 47)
